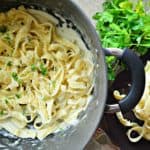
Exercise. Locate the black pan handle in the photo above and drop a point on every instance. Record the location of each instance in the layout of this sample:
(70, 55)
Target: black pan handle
(136, 68)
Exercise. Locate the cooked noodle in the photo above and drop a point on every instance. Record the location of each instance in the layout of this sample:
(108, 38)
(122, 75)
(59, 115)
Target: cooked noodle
(45, 80)
(141, 111)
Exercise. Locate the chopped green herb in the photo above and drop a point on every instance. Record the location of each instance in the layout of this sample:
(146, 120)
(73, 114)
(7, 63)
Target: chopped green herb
(123, 24)
(6, 101)
(15, 76)
(18, 96)
(33, 67)
(1, 112)
(8, 37)
(3, 28)
(43, 69)
(9, 63)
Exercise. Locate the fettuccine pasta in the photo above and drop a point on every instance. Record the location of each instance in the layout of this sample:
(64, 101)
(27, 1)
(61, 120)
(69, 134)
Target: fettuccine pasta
(45, 79)
(141, 111)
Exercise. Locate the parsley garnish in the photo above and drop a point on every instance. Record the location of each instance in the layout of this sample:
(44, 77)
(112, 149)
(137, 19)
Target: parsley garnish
(15, 76)
(6, 101)
(43, 69)
(18, 96)
(1, 112)
(123, 24)
(9, 63)
(33, 67)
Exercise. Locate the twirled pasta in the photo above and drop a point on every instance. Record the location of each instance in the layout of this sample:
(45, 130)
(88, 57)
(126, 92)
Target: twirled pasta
(141, 111)
(45, 80)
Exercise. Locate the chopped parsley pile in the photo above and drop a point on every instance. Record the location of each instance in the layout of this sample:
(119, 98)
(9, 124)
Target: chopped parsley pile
(123, 24)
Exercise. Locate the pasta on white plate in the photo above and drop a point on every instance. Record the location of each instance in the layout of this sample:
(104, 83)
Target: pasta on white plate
(141, 111)
(45, 79)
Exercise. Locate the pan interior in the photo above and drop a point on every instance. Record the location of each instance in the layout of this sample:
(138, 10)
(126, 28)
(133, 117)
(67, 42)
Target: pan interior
(86, 127)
